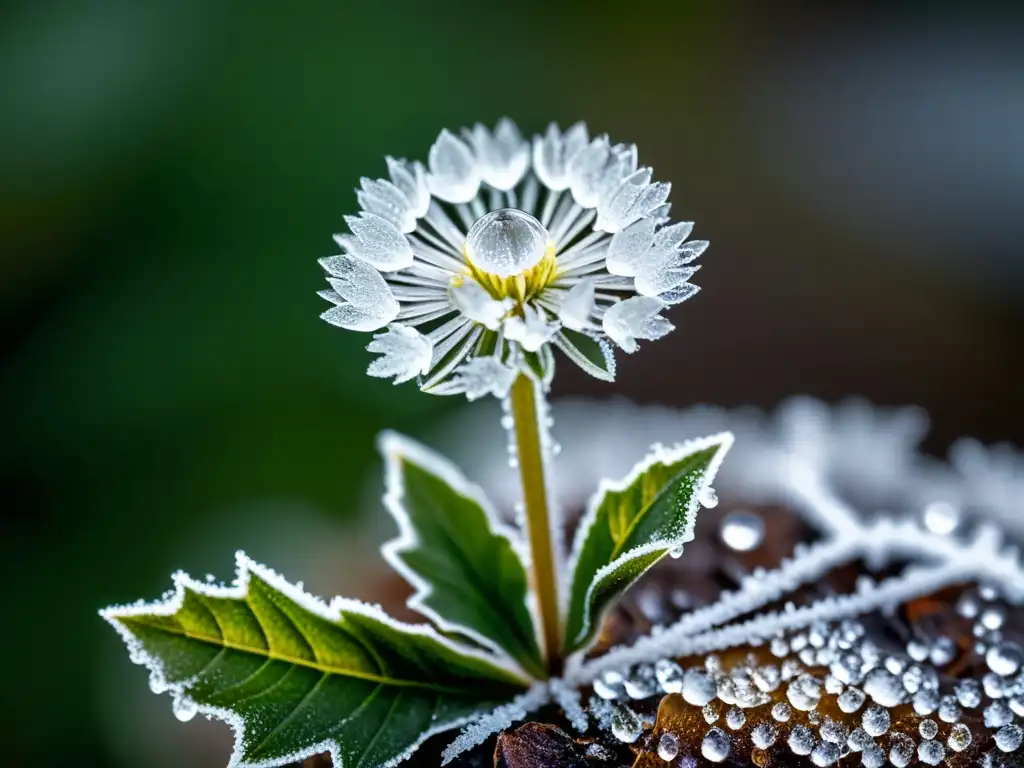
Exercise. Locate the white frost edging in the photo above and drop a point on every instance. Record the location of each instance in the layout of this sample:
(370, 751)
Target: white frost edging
(246, 567)
(394, 447)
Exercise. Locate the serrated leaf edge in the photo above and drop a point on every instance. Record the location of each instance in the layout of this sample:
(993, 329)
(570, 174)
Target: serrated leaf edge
(659, 454)
(393, 446)
(245, 567)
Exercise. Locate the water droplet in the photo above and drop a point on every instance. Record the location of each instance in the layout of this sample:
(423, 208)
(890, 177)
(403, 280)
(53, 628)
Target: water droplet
(834, 732)
(968, 693)
(676, 552)
(801, 740)
(708, 497)
(735, 718)
(698, 687)
(642, 684)
(767, 678)
(763, 735)
(184, 709)
(943, 652)
(859, 740)
(781, 712)
(804, 693)
(967, 606)
(902, 751)
(609, 686)
(884, 688)
(825, 753)
(1004, 658)
(669, 675)
(929, 729)
(992, 618)
(716, 745)
(949, 710)
(931, 752)
(851, 700)
(710, 712)
(917, 650)
(742, 531)
(997, 714)
(1009, 738)
(626, 725)
(873, 756)
(875, 721)
(959, 737)
(668, 747)
(941, 517)
(926, 701)
(506, 242)
(157, 684)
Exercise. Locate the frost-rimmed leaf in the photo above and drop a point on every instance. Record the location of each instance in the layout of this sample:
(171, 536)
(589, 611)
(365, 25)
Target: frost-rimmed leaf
(630, 525)
(466, 566)
(295, 677)
(593, 355)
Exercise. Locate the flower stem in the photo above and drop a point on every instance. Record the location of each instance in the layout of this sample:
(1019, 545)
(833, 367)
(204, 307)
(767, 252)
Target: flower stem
(525, 397)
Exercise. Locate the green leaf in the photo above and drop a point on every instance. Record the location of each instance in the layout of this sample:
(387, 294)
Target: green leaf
(540, 365)
(630, 525)
(295, 677)
(463, 562)
(591, 354)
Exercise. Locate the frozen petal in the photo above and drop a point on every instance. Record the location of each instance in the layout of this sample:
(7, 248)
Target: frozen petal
(387, 201)
(454, 173)
(635, 318)
(553, 153)
(354, 319)
(503, 156)
(578, 305)
(679, 294)
(473, 301)
(621, 167)
(634, 199)
(629, 246)
(478, 377)
(405, 353)
(691, 250)
(358, 284)
(657, 281)
(411, 180)
(671, 237)
(532, 330)
(377, 242)
(586, 172)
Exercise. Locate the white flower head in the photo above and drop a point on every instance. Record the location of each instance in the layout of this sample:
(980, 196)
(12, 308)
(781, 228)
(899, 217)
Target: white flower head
(501, 248)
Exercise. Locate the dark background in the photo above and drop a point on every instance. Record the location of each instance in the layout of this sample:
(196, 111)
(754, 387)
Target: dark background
(171, 171)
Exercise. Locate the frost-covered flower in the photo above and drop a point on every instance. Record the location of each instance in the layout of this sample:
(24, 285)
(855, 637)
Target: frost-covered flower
(500, 249)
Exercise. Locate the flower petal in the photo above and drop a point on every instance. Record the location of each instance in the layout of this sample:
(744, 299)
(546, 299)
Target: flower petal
(411, 180)
(635, 318)
(473, 301)
(484, 375)
(578, 305)
(503, 156)
(384, 199)
(532, 330)
(553, 153)
(405, 353)
(628, 247)
(586, 172)
(377, 242)
(658, 281)
(679, 294)
(454, 173)
(365, 302)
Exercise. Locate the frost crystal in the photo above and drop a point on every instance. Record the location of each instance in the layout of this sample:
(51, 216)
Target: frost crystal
(497, 248)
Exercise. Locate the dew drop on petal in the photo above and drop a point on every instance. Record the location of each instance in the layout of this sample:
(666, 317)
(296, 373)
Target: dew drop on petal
(716, 745)
(184, 709)
(668, 747)
(506, 242)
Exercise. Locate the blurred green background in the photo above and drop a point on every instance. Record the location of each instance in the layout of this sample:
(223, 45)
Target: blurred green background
(172, 171)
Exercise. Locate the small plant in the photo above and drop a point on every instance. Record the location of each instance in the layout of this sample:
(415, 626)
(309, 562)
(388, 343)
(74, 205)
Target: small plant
(476, 267)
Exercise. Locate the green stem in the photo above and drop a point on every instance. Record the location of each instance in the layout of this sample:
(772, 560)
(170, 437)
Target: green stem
(524, 398)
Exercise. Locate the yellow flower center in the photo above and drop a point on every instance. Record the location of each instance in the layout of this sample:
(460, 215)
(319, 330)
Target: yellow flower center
(521, 287)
